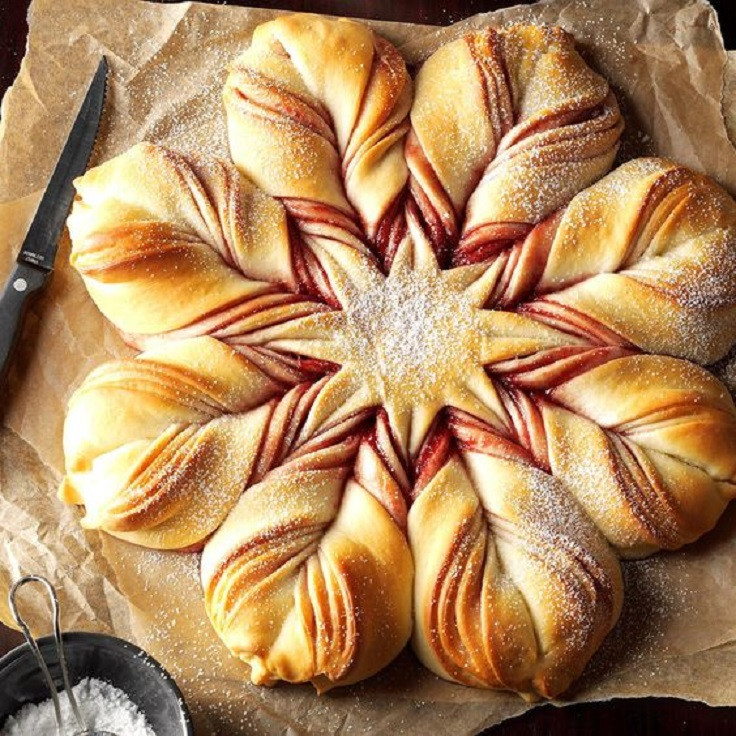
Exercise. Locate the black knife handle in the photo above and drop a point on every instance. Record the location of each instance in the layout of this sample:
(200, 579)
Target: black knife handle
(24, 283)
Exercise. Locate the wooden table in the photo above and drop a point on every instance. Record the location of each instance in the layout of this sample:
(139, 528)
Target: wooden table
(644, 717)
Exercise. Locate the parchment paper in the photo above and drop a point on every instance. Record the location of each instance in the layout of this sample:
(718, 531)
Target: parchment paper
(677, 635)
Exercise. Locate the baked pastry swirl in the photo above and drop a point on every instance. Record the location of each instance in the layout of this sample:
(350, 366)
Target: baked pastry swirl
(412, 362)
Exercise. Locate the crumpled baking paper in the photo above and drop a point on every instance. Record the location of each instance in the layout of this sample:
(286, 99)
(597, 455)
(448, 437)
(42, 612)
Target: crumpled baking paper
(676, 85)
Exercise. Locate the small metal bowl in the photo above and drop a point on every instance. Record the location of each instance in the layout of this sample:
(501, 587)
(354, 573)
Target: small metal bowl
(108, 658)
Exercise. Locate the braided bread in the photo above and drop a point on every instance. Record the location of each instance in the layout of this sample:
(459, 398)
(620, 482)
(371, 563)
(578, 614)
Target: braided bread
(414, 364)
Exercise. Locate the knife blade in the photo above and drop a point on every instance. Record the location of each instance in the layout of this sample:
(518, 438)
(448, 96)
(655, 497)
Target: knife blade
(36, 258)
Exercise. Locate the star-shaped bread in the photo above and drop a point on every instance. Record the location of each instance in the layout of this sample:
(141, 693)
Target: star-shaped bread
(413, 363)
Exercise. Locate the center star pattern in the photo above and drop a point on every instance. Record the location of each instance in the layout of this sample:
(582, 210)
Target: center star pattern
(413, 342)
(414, 365)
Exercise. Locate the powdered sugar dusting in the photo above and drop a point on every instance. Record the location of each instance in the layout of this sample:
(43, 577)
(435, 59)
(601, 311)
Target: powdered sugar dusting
(103, 708)
(410, 332)
(568, 543)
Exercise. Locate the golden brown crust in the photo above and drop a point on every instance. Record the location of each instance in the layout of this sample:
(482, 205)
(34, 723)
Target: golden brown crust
(507, 125)
(648, 254)
(310, 576)
(336, 97)
(150, 443)
(513, 587)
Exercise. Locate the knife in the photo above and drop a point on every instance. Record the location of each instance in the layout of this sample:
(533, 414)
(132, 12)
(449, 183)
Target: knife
(35, 261)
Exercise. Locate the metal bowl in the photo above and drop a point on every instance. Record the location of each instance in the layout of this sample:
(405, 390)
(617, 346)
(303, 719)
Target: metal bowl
(108, 658)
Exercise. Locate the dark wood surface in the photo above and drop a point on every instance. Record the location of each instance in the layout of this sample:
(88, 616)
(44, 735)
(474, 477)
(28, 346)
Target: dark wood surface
(644, 717)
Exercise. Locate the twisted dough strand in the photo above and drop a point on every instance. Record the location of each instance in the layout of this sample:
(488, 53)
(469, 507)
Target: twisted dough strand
(512, 582)
(221, 250)
(159, 448)
(309, 578)
(507, 125)
(337, 99)
(651, 234)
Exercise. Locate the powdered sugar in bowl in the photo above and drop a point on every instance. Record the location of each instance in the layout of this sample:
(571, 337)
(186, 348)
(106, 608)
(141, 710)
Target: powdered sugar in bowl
(103, 658)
